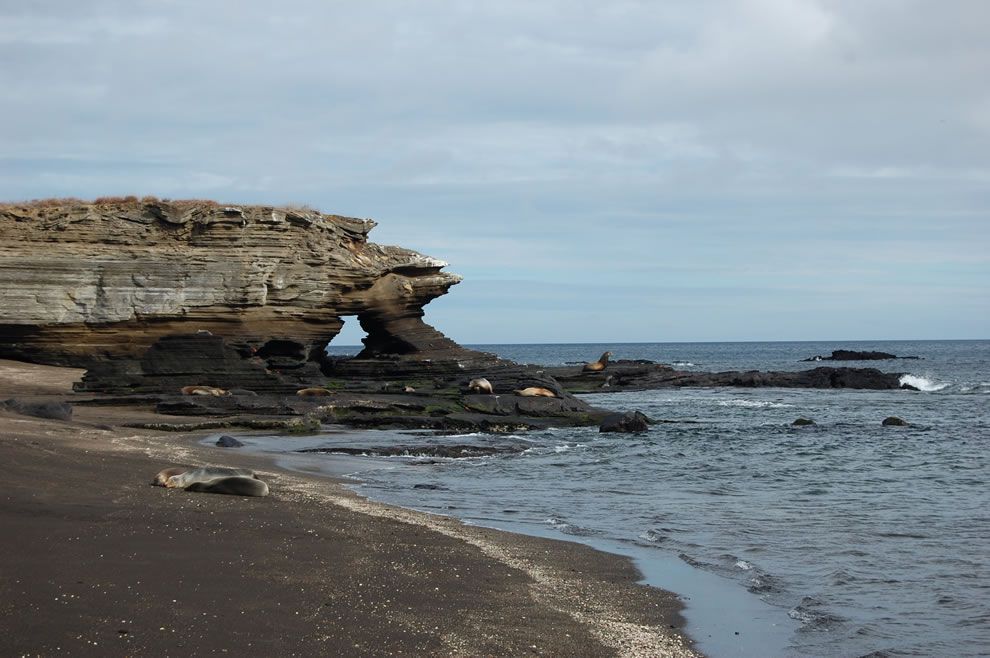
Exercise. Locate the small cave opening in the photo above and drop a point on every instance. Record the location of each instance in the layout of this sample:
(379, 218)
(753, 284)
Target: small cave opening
(349, 341)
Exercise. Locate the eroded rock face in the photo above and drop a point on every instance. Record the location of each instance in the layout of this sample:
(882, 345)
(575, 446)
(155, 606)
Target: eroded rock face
(146, 290)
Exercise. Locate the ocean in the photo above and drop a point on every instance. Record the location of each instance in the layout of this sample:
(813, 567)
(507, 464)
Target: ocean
(842, 538)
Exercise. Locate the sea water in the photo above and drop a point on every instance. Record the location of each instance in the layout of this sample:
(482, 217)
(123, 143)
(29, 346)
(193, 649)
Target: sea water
(841, 538)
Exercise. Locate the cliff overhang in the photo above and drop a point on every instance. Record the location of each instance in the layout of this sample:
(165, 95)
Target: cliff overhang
(152, 295)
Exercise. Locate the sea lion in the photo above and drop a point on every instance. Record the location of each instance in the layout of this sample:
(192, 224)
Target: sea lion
(165, 474)
(599, 365)
(204, 474)
(235, 486)
(481, 385)
(536, 392)
(203, 390)
(313, 392)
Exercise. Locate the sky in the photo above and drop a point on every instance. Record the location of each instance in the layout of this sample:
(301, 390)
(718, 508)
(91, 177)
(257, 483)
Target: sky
(597, 171)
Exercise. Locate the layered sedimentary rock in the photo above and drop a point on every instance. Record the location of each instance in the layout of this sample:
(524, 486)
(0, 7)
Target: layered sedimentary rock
(147, 294)
(152, 296)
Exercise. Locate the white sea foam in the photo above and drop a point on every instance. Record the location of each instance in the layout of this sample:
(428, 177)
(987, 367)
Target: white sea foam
(753, 404)
(568, 446)
(683, 364)
(744, 565)
(560, 525)
(922, 383)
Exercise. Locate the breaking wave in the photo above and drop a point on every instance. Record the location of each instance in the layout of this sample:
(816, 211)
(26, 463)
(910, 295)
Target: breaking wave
(922, 383)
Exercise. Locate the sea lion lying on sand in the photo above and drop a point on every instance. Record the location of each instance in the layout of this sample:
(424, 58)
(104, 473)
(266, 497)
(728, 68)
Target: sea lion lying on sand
(165, 474)
(599, 365)
(187, 476)
(536, 392)
(480, 385)
(212, 479)
(313, 392)
(234, 486)
(203, 390)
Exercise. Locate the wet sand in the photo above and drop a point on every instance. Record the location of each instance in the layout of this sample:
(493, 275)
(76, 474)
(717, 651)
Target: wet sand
(96, 561)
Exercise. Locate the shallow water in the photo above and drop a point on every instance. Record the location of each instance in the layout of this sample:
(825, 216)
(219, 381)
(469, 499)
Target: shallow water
(856, 536)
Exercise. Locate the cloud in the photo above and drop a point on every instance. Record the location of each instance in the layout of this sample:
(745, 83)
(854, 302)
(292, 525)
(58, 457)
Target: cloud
(726, 143)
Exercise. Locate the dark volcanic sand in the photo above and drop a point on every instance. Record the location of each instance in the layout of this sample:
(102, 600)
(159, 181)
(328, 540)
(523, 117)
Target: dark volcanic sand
(95, 561)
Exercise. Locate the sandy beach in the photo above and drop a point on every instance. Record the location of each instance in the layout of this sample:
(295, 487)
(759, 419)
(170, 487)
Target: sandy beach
(96, 561)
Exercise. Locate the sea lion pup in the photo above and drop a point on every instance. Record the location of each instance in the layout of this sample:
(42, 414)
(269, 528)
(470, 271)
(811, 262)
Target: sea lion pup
(313, 392)
(235, 486)
(481, 385)
(599, 365)
(165, 474)
(203, 390)
(204, 474)
(536, 392)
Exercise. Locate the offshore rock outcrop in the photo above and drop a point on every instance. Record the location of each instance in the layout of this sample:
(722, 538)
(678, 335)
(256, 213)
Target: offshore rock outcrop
(627, 375)
(149, 294)
(853, 355)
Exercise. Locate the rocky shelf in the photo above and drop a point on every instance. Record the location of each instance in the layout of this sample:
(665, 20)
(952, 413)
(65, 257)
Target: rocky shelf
(151, 296)
(626, 375)
(852, 355)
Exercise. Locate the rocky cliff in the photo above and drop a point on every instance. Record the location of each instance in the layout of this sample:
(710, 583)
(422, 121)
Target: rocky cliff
(152, 296)
(132, 289)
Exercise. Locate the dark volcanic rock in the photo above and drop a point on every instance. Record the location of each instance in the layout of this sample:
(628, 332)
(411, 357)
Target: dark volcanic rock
(51, 410)
(800, 422)
(228, 442)
(636, 376)
(894, 421)
(852, 355)
(630, 421)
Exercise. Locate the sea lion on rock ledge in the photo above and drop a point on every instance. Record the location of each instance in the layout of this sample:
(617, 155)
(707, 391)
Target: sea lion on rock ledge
(599, 365)
(313, 392)
(536, 392)
(481, 385)
(203, 390)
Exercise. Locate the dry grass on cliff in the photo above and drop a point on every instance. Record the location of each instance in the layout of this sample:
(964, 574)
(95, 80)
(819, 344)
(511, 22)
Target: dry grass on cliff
(133, 201)
(129, 200)
(43, 203)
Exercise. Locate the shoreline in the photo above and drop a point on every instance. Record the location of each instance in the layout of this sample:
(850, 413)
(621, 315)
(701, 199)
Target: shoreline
(721, 618)
(96, 560)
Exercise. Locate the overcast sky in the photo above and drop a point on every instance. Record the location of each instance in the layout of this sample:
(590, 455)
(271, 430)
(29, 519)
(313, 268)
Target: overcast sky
(597, 171)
